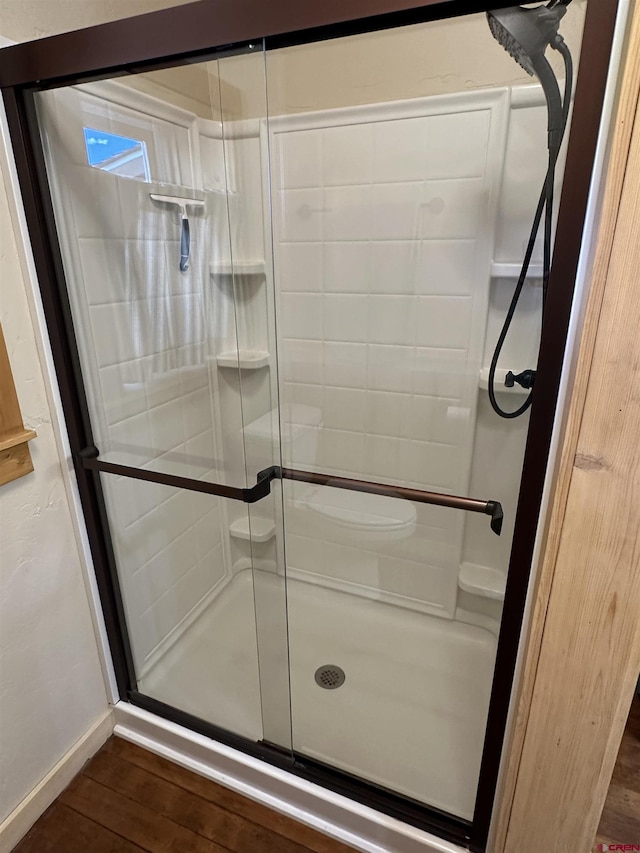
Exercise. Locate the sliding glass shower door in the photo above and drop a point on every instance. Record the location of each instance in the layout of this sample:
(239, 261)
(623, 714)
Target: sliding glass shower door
(287, 277)
(160, 221)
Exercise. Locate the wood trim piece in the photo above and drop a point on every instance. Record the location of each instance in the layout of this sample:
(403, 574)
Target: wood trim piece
(583, 656)
(15, 458)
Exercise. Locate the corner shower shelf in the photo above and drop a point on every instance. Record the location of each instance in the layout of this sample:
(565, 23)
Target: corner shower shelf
(500, 270)
(500, 387)
(254, 530)
(244, 359)
(251, 267)
(482, 580)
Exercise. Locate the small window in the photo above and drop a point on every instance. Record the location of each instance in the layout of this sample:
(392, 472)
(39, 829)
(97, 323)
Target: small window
(119, 155)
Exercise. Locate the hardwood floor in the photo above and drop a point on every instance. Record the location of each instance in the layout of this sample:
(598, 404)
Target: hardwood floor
(127, 800)
(620, 822)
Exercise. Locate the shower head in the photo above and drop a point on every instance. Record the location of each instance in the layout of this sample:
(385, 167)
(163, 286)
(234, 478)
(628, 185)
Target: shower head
(526, 34)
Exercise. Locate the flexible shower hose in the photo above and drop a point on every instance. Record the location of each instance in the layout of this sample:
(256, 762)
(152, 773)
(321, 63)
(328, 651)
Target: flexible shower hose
(545, 205)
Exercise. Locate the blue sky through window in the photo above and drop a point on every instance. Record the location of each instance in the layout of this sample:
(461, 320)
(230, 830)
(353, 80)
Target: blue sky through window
(120, 155)
(102, 146)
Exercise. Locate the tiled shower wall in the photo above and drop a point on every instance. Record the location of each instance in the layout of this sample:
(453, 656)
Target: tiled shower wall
(145, 344)
(385, 225)
(384, 240)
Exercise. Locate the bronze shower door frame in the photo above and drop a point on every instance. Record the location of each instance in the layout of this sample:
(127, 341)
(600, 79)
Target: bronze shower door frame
(205, 30)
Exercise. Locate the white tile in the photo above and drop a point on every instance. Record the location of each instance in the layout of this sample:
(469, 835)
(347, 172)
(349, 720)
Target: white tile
(443, 321)
(386, 413)
(456, 144)
(302, 361)
(161, 387)
(438, 419)
(397, 211)
(392, 319)
(344, 408)
(128, 499)
(345, 317)
(399, 150)
(353, 565)
(187, 326)
(304, 553)
(200, 453)
(212, 568)
(308, 395)
(395, 267)
(207, 535)
(453, 209)
(425, 582)
(345, 364)
(381, 457)
(342, 452)
(300, 158)
(145, 219)
(299, 267)
(141, 541)
(347, 213)
(347, 155)
(347, 267)
(438, 520)
(123, 390)
(436, 465)
(440, 372)
(447, 267)
(390, 368)
(434, 543)
(147, 273)
(167, 426)
(103, 271)
(120, 332)
(168, 610)
(301, 215)
(130, 441)
(301, 315)
(195, 376)
(196, 411)
(94, 202)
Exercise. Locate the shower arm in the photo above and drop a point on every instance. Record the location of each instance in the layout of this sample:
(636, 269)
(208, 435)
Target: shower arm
(88, 459)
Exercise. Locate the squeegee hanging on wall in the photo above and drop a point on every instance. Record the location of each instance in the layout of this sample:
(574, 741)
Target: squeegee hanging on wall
(185, 235)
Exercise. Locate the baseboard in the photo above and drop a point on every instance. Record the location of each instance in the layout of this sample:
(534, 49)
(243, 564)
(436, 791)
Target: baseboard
(22, 818)
(332, 814)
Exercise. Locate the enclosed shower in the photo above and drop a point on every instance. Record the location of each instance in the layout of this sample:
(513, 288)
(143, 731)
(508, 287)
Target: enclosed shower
(297, 287)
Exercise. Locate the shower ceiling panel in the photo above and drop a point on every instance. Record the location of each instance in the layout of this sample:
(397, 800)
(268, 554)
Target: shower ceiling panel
(276, 385)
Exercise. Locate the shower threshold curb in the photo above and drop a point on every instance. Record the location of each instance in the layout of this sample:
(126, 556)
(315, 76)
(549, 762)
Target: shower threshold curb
(330, 813)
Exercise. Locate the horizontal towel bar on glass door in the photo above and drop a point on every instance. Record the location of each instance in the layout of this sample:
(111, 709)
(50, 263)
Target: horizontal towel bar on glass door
(89, 460)
(491, 508)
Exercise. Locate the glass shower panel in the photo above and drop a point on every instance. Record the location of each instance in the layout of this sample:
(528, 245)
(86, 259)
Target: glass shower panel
(157, 182)
(406, 168)
(191, 621)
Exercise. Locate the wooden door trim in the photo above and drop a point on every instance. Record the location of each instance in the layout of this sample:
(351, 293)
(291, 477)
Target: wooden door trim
(570, 593)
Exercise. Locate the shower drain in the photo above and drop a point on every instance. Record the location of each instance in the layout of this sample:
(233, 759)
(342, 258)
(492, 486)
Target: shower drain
(329, 676)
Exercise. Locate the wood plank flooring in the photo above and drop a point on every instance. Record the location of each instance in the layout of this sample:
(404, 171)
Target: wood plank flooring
(128, 800)
(620, 822)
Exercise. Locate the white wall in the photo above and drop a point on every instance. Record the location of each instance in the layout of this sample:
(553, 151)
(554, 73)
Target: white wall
(51, 683)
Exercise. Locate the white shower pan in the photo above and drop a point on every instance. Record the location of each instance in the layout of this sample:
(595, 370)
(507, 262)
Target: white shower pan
(410, 715)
